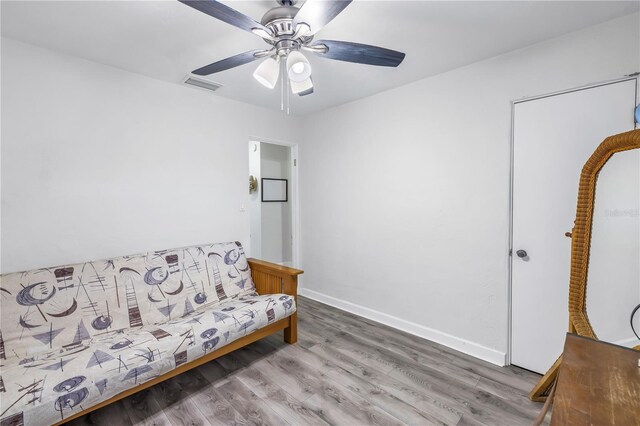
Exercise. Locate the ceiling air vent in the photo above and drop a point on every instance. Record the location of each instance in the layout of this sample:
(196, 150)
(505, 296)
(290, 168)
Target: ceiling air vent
(201, 83)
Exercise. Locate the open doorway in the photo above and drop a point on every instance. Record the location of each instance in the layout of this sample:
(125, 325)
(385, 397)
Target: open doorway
(273, 202)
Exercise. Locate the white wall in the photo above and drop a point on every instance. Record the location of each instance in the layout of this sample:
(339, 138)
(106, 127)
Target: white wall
(276, 228)
(99, 162)
(405, 194)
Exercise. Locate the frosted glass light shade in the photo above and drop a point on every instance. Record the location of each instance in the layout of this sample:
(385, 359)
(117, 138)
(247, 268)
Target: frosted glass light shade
(298, 67)
(302, 86)
(267, 73)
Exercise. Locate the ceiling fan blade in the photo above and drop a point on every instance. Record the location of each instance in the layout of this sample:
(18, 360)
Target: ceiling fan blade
(318, 13)
(356, 52)
(231, 62)
(226, 14)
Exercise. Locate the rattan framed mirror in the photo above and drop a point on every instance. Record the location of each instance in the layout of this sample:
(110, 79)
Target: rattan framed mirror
(581, 246)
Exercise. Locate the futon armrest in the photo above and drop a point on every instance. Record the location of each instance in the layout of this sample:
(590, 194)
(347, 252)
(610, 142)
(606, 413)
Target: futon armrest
(271, 278)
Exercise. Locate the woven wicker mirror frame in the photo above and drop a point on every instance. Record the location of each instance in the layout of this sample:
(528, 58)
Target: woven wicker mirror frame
(581, 245)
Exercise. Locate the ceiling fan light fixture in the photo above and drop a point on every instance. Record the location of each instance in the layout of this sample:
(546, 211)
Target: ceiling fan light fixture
(298, 67)
(303, 86)
(267, 73)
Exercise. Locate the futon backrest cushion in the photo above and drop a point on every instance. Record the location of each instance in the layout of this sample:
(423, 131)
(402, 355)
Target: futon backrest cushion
(49, 308)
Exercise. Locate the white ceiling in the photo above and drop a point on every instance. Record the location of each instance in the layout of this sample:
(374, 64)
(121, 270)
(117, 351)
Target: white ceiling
(166, 39)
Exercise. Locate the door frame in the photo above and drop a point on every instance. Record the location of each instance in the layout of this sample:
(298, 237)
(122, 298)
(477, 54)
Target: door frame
(294, 189)
(509, 313)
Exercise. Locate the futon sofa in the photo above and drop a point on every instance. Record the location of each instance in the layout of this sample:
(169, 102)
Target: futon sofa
(75, 338)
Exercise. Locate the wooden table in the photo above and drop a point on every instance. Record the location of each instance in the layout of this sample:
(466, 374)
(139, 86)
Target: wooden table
(598, 384)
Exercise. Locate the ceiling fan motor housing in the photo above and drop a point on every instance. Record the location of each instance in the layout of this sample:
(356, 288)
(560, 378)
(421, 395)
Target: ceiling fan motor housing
(279, 20)
(286, 46)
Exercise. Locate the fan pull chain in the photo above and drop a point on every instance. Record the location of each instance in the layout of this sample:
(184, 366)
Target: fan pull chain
(288, 94)
(282, 72)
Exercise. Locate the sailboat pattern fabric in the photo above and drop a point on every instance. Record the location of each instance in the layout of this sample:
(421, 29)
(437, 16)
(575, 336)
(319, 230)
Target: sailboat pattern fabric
(76, 335)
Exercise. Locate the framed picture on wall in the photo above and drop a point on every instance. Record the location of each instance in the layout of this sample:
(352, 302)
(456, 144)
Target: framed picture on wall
(275, 190)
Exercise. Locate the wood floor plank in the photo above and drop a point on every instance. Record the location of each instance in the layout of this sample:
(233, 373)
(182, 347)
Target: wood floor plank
(197, 389)
(145, 410)
(245, 356)
(356, 348)
(451, 386)
(307, 340)
(376, 394)
(508, 393)
(483, 406)
(345, 370)
(305, 355)
(435, 408)
(215, 407)
(215, 372)
(342, 331)
(304, 382)
(337, 407)
(108, 416)
(287, 372)
(280, 401)
(400, 341)
(249, 405)
(378, 332)
(299, 379)
(175, 403)
(493, 382)
(469, 420)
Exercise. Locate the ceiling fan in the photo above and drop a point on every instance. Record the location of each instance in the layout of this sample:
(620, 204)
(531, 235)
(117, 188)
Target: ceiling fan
(290, 31)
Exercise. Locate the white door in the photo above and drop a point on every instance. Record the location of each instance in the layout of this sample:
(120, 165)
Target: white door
(553, 137)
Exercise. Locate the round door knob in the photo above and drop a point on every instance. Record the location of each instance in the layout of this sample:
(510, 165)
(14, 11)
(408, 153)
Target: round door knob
(521, 253)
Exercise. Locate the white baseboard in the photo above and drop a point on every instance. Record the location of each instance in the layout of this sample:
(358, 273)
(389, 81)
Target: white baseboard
(474, 349)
